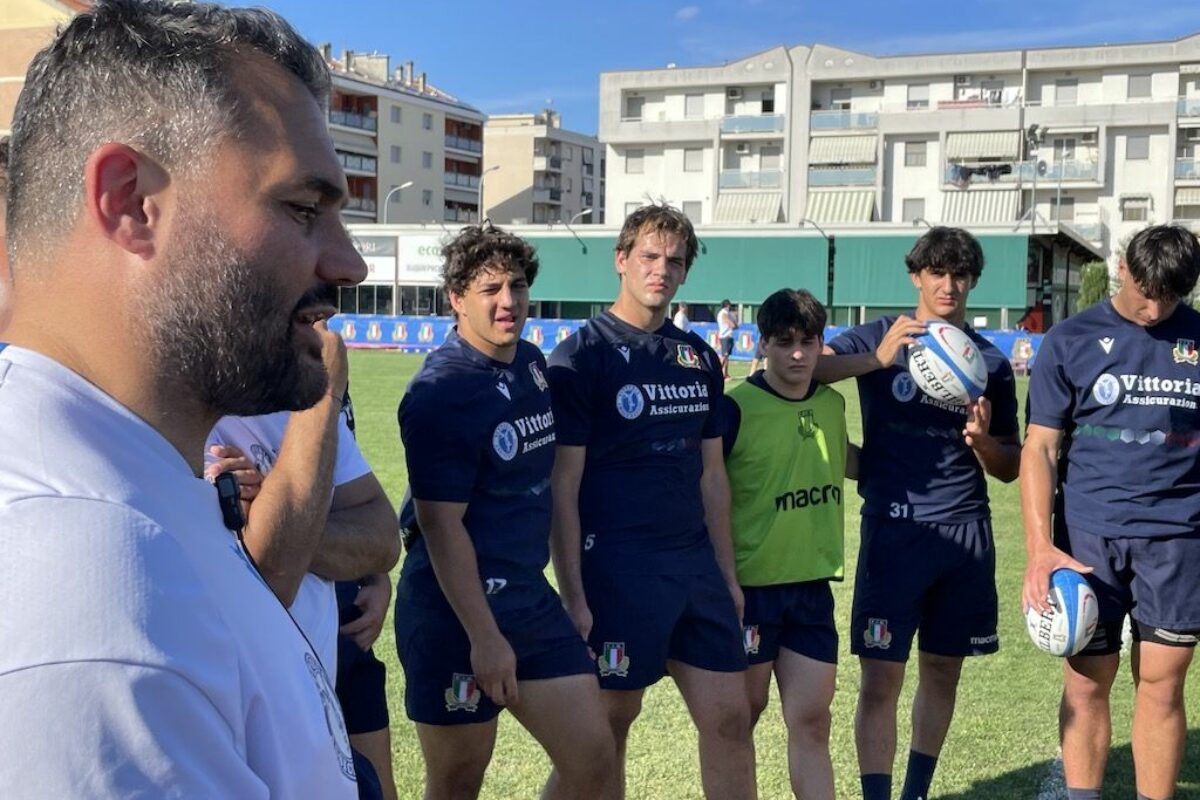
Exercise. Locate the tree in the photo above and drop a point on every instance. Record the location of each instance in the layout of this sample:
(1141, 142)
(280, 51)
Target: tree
(1093, 284)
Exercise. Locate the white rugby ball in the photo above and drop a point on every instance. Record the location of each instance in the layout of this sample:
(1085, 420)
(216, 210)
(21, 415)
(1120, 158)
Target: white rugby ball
(946, 365)
(1068, 625)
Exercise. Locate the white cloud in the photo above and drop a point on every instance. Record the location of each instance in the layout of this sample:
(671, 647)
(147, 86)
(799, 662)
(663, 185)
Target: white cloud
(687, 13)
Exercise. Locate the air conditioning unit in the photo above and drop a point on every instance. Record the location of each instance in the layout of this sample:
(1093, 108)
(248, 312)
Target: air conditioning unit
(733, 93)
(875, 84)
(1192, 135)
(962, 80)
(743, 148)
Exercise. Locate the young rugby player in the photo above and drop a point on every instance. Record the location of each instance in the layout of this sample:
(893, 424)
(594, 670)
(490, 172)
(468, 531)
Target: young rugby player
(478, 626)
(786, 453)
(927, 561)
(641, 504)
(1113, 386)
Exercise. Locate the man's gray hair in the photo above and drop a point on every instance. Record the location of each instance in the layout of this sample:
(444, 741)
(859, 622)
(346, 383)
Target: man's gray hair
(157, 75)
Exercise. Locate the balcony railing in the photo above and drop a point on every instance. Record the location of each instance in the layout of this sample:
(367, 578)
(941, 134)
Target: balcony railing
(461, 180)
(1090, 229)
(762, 123)
(1187, 169)
(841, 176)
(361, 204)
(1060, 170)
(359, 163)
(352, 120)
(547, 195)
(745, 179)
(1188, 107)
(842, 120)
(460, 215)
(469, 145)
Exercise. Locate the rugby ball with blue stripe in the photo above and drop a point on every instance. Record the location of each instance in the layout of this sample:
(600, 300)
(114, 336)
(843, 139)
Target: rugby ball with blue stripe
(946, 365)
(1068, 625)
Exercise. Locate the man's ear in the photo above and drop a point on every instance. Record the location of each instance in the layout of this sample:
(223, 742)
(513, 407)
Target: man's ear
(124, 191)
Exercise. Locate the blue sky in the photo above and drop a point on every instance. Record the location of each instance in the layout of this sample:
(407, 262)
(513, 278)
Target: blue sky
(509, 57)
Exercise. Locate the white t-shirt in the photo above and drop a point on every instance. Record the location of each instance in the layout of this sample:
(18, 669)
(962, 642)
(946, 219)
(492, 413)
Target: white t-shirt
(140, 654)
(315, 606)
(681, 321)
(726, 323)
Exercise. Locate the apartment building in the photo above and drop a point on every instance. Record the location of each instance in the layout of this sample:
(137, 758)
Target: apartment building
(411, 151)
(26, 26)
(1096, 141)
(535, 171)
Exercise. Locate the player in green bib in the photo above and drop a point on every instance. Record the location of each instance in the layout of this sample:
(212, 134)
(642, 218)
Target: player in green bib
(787, 454)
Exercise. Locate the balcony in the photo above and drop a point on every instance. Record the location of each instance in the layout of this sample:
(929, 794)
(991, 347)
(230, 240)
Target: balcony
(461, 180)
(362, 205)
(1061, 170)
(1187, 169)
(761, 179)
(357, 163)
(543, 163)
(547, 195)
(1188, 107)
(460, 215)
(466, 145)
(843, 120)
(1090, 229)
(762, 123)
(352, 120)
(841, 176)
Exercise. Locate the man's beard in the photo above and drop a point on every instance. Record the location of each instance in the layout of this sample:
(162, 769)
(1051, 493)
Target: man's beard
(218, 326)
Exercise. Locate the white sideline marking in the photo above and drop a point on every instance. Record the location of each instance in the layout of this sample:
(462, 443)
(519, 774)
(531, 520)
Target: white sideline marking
(1054, 785)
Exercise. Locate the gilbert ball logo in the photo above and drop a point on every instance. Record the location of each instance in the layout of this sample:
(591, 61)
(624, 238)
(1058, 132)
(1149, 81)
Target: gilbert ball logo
(904, 388)
(629, 401)
(504, 441)
(1106, 389)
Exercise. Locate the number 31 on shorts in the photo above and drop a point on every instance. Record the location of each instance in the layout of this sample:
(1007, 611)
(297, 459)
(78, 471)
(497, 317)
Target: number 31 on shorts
(899, 511)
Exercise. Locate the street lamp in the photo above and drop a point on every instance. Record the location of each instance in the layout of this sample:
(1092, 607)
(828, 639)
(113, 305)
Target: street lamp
(583, 213)
(921, 221)
(572, 230)
(388, 197)
(831, 254)
(482, 215)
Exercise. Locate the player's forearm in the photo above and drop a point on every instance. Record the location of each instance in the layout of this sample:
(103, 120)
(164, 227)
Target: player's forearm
(565, 550)
(833, 368)
(454, 563)
(717, 503)
(286, 520)
(1001, 460)
(358, 541)
(1039, 480)
(853, 460)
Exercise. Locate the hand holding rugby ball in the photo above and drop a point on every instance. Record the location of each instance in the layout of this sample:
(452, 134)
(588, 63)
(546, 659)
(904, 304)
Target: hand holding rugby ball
(1067, 625)
(946, 365)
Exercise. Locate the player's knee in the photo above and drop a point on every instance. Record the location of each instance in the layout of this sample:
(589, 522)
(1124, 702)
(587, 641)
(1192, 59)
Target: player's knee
(941, 674)
(456, 776)
(810, 725)
(1086, 686)
(622, 715)
(729, 721)
(591, 760)
(880, 687)
(1164, 690)
(758, 704)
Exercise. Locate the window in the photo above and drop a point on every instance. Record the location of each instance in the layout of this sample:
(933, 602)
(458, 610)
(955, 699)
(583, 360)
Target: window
(635, 162)
(1066, 92)
(915, 154)
(631, 207)
(633, 107)
(1188, 212)
(692, 210)
(768, 101)
(693, 159)
(569, 185)
(427, 197)
(396, 154)
(769, 158)
(918, 95)
(693, 106)
(427, 121)
(1062, 209)
(1064, 150)
(1136, 209)
(992, 91)
(1139, 86)
(913, 207)
(1137, 147)
(839, 99)
(397, 115)
(427, 160)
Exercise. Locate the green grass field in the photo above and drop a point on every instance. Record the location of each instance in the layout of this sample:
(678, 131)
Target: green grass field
(1001, 745)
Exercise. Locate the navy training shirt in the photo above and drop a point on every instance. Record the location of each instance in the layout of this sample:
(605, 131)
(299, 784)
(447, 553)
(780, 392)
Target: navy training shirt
(915, 464)
(481, 432)
(1125, 396)
(640, 403)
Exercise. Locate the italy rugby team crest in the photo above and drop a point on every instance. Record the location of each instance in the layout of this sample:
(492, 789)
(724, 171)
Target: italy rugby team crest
(539, 379)
(751, 639)
(877, 634)
(686, 356)
(613, 660)
(1185, 352)
(463, 694)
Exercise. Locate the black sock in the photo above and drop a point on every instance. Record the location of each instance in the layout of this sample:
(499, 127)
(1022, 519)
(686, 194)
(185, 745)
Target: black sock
(919, 776)
(1141, 796)
(1083, 794)
(876, 786)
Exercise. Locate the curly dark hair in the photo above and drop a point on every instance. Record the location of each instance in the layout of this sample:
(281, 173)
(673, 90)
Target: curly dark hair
(946, 251)
(658, 219)
(791, 309)
(481, 247)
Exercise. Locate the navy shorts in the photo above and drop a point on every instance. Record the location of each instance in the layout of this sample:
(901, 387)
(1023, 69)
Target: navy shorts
(1154, 580)
(726, 345)
(639, 622)
(798, 616)
(939, 579)
(440, 688)
(361, 677)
